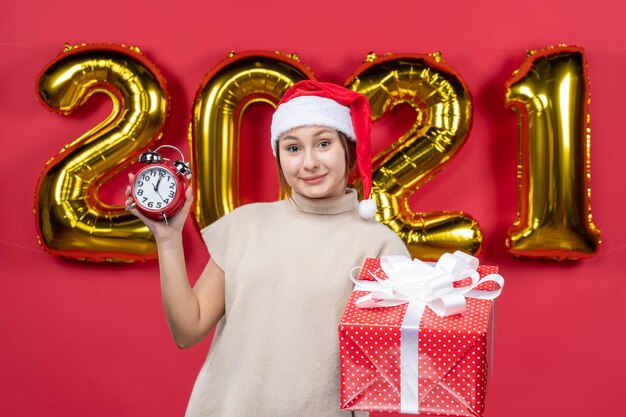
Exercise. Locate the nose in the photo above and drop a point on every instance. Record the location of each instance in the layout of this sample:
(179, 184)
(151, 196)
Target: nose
(311, 162)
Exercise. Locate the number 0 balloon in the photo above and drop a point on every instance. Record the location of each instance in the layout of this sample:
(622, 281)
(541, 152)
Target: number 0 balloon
(550, 93)
(220, 103)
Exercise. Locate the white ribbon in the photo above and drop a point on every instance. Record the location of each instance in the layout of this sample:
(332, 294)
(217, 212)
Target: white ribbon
(409, 358)
(433, 285)
(421, 284)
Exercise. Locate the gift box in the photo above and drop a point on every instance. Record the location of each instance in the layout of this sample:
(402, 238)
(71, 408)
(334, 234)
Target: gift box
(408, 359)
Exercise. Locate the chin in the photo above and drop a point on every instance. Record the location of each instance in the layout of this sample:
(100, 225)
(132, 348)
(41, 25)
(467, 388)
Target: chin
(312, 194)
(318, 193)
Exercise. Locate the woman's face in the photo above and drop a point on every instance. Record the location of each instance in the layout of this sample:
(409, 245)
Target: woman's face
(313, 161)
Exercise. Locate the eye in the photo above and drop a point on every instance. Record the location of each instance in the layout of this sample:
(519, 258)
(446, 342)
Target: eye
(293, 148)
(325, 143)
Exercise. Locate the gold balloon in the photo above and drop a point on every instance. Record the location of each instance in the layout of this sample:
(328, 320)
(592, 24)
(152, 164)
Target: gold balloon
(444, 113)
(224, 94)
(550, 94)
(71, 221)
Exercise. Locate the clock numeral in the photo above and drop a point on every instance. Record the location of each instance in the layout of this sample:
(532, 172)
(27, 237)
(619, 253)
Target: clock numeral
(140, 183)
(172, 185)
(146, 177)
(166, 201)
(143, 200)
(171, 194)
(140, 191)
(151, 204)
(158, 204)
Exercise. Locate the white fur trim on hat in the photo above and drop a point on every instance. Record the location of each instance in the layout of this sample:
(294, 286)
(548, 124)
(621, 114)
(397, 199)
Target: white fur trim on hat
(310, 111)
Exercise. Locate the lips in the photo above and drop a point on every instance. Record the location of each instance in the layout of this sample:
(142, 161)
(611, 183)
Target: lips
(314, 179)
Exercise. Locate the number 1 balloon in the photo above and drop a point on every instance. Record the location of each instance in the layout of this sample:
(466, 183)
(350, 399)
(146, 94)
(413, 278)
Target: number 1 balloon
(550, 93)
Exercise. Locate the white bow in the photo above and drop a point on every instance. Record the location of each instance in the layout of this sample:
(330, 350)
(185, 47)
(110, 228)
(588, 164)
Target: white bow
(416, 280)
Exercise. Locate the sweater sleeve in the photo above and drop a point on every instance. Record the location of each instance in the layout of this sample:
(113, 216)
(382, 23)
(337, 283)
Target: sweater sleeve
(218, 237)
(392, 245)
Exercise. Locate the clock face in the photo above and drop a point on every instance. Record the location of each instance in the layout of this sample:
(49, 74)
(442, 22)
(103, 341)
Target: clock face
(155, 188)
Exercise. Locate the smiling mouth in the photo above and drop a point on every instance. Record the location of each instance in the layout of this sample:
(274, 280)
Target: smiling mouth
(314, 179)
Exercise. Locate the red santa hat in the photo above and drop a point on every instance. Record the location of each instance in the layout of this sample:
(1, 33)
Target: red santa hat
(314, 103)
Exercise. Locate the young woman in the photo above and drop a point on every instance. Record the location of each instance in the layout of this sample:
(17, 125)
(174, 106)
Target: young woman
(278, 277)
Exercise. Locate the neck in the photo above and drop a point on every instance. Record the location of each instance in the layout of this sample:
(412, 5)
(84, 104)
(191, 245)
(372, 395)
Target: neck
(331, 205)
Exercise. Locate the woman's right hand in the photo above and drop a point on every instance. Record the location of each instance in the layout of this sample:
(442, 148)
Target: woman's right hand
(163, 233)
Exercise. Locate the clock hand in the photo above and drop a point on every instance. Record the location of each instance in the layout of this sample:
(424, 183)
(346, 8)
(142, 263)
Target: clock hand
(156, 187)
(159, 194)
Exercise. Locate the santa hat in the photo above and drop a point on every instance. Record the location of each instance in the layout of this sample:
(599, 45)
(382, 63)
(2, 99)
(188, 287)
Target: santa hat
(313, 103)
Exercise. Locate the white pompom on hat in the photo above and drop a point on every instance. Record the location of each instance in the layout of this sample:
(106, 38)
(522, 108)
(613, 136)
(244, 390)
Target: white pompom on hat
(314, 103)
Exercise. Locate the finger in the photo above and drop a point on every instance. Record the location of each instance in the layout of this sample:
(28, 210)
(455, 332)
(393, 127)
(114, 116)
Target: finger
(188, 201)
(131, 177)
(132, 208)
(182, 214)
(129, 203)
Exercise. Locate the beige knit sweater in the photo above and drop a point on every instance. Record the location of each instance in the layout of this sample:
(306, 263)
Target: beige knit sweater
(275, 352)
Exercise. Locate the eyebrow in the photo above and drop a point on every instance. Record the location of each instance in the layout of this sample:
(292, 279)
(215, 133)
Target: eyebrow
(323, 131)
(318, 133)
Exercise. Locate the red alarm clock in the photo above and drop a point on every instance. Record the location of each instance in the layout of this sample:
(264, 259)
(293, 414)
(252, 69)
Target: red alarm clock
(158, 189)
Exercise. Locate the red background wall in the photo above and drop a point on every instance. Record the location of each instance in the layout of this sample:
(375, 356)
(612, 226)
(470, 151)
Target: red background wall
(90, 339)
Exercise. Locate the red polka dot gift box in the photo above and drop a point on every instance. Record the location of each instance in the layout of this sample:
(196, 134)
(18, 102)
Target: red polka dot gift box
(413, 337)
